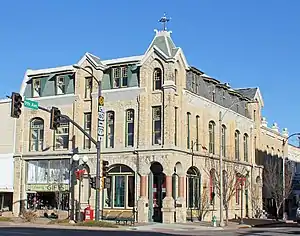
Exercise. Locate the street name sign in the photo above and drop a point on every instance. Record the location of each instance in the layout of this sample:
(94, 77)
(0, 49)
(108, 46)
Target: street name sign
(31, 104)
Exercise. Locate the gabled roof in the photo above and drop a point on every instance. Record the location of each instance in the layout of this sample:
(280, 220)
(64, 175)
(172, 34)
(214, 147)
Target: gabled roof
(247, 92)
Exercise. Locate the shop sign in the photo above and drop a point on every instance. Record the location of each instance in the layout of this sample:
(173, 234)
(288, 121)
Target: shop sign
(47, 187)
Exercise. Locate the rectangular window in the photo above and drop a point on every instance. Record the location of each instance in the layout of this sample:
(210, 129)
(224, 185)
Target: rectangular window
(197, 132)
(88, 87)
(194, 83)
(110, 129)
(36, 87)
(62, 136)
(60, 85)
(156, 125)
(130, 128)
(254, 115)
(87, 128)
(213, 96)
(188, 137)
(120, 77)
(175, 131)
(119, 190)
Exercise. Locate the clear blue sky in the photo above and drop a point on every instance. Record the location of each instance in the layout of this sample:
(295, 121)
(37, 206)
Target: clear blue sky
(245, 43)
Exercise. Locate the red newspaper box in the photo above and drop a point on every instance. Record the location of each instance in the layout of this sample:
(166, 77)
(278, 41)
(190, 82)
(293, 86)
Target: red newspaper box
(88, 214)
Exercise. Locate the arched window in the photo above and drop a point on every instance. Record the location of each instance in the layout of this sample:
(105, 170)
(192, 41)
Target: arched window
(193, 182)
(121, 190)
(157, 79)
(212, 186)
(129, 128)
(223, 140)
(211, 130)
(36, 140)
(246, 137)
(110, 129)
(237, 145)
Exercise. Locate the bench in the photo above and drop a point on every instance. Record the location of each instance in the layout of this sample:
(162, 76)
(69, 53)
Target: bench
(111, 215)
(126, 217)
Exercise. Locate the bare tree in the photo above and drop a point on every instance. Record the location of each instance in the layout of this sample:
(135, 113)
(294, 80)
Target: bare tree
(255, 199)
(273, 182)
(204, 204)
(230, 172)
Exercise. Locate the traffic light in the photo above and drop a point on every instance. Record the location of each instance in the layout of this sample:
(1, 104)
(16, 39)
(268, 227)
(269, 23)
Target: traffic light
(104, 168)
(16, 105)
(55, 118)
(93, 182)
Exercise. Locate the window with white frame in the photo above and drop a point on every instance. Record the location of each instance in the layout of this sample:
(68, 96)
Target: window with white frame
(156, 125)
(62, 136)
(110, 129)
(36, 140)
(211, 136)
(88, 87)
(246, 147)
(36, 87)
(120, 77)
(157, 79)
(121, 188)
(60, 85)
(130, 127)
(223, 140)
(87, 128)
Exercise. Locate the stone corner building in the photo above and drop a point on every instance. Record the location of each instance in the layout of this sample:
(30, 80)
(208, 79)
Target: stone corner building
(162, 125)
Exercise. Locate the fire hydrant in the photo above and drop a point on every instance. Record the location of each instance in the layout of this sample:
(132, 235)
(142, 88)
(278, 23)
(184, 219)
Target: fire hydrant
(214, 221)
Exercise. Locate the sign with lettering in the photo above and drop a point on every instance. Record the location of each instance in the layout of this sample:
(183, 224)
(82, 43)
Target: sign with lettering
(47, 187)
(101, 119)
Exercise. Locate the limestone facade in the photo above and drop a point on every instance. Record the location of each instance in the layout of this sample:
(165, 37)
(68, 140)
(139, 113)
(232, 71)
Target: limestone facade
(162, 153)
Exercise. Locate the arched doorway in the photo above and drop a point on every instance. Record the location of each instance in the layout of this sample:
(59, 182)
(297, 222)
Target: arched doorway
(193, 190)
(157, 191)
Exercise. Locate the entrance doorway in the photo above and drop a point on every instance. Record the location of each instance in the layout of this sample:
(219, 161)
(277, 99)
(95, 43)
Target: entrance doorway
(157, 192)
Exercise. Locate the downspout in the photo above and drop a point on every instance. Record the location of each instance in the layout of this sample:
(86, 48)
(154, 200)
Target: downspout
(137, 158)
(163, 113)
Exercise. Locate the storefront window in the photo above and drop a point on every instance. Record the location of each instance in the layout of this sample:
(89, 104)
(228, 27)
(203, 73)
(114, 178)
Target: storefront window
(120, 192)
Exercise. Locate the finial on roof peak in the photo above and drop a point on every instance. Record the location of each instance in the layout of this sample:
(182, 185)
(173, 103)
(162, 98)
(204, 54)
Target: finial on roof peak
(164, 20)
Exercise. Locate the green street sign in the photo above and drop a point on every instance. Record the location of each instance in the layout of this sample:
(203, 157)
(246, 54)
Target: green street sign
(31, 104)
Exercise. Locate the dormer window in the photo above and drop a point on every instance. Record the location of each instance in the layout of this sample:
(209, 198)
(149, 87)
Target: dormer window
(60, 85)
(213, 96)
(194, 88)
(120, 77)
(36, 88)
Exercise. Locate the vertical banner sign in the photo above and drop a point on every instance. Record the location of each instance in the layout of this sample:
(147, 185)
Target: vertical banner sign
(101, 118)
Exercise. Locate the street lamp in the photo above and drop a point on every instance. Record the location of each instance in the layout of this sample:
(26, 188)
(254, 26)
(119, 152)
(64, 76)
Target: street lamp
(79, 175)
(221, 117)
(100, 131)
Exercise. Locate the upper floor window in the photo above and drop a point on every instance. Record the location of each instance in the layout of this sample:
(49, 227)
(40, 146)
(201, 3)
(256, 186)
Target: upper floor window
(62, 136)
(223, 144)
(88, 87)
(188, 124)
(213, 95)
(36, 140)
(60, 85)
(129, 127)
(194, 84)
(237, 145)
(176, 126)
(237, 107)
(157, 79)
(110, 129)
(156, 125)
(211, 131)
(197, 132)
(36, 87)
(120, 77)
(87, 128)
(254, 115)
(175, 76)
(245, 147)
